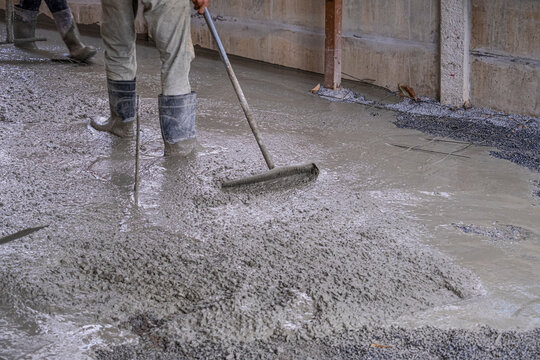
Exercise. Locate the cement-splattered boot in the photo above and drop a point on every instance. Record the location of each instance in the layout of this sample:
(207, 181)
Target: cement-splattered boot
(177, 120)
(24, 27)
(70, 34)
(123, 105)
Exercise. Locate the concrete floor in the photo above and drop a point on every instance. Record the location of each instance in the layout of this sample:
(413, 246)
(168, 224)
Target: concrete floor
(386, 235)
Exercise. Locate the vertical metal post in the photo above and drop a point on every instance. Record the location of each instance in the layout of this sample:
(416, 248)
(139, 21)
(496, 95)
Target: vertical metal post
(9, 21)
(137, 150)
(332, 44)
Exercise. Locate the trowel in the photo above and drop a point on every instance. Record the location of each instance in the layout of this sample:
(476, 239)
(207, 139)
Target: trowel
(309, 170)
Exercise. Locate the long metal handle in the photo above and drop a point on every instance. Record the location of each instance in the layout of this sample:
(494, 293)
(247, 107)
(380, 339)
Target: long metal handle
(137, 151)
(238, 89)
(9, 21)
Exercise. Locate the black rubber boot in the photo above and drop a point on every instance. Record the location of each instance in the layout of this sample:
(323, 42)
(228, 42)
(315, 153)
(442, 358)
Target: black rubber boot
(177, 120)
(123, 105)
(70, 34)
(24, 26)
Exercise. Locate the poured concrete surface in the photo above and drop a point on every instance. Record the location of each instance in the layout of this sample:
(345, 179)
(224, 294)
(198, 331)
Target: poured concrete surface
(376, 241)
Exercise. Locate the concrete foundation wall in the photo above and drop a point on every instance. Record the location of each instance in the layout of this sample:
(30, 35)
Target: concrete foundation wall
(387, 41)
(511, 27)
(506, 83)
(505, 55)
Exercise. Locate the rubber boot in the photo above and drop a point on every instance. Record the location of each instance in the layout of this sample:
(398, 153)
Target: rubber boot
(24, 27)
(70, 34)
(123, 105)
(177, 121)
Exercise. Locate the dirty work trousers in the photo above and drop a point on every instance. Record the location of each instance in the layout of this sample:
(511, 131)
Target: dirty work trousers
(53, 5)
(169, 24)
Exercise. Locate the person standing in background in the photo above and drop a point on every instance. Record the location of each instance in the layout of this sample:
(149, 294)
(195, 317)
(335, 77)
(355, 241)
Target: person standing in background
(24, 26)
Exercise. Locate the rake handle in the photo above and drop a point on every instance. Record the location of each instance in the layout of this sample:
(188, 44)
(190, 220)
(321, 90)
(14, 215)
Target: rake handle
(238, 90)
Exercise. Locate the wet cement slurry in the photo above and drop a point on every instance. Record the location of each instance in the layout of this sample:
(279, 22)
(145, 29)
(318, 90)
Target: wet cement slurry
(369, 252)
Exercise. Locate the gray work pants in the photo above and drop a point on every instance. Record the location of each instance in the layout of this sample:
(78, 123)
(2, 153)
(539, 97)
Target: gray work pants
(169, 25)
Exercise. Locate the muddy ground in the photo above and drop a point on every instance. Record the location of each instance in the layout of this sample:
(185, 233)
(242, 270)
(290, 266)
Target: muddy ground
(343, 267)
(515, 137)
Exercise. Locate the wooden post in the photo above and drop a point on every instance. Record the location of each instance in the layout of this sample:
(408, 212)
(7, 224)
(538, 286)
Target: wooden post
(332, 44)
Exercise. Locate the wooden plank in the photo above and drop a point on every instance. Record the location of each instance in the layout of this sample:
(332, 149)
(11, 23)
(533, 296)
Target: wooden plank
(332, 44)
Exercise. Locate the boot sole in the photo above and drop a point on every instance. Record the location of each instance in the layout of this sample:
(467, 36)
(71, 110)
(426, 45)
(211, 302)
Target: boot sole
(84, 55)
(123, 132)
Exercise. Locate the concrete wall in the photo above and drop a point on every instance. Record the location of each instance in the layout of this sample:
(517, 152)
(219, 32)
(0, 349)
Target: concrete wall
(395, 41)
(455, 40)
(388, 41)
(505, 55)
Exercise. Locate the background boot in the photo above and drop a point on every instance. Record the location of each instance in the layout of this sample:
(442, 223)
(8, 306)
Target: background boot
(24, 26)
(177, 120)
(123, 105)
(70, 34)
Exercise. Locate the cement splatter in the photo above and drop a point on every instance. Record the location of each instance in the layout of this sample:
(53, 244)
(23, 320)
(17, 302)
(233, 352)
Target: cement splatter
(499, 232)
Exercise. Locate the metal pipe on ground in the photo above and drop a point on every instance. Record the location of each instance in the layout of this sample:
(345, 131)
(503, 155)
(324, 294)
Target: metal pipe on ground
(137, 152)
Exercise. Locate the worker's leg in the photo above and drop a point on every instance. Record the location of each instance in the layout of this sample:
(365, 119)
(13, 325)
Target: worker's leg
(177, 121)
(32, 5)
(169, 24)
(24, 24)
(56, 5)
(68, 30)
(118, 33)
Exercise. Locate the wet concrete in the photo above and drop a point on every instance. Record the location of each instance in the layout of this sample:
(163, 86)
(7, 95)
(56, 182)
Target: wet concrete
(257, 271)
(516, 137)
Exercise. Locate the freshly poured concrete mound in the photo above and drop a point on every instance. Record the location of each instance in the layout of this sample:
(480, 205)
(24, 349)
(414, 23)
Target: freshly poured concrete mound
(282, 270)
(234, 267)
